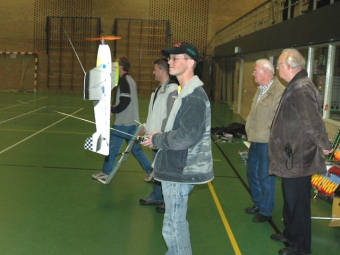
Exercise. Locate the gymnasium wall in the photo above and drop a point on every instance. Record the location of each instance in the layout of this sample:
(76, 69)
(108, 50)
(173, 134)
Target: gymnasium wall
(23, 28)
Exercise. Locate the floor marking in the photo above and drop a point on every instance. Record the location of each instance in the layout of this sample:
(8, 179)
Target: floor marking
(21, 115)
(22, 103)
(224, 220)
(53, 132)
(273, 225)
(69, 115)
(246, 143)
(10, 147)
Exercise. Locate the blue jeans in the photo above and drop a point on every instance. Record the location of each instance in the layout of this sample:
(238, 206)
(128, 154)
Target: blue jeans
(116, 142)
(262, 186)
(175, 226)
(156, 193)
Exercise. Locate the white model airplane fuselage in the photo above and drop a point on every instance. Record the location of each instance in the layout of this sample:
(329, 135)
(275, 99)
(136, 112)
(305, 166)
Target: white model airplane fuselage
(98, 84)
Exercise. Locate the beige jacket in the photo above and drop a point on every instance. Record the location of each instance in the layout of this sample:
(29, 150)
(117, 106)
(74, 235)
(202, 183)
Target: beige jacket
(262, 112)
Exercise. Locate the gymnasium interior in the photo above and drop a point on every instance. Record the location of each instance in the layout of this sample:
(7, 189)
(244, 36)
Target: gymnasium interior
(49, 203)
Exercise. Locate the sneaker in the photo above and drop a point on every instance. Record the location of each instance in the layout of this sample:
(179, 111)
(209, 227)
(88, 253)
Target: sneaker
(161, 208)
(149, 177)
(149, 201)
(100, 176)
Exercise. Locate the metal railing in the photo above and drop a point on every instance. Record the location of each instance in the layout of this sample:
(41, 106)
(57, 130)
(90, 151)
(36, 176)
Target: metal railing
(267, 14)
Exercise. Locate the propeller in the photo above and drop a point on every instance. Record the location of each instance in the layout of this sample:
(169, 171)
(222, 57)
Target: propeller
(104, 38)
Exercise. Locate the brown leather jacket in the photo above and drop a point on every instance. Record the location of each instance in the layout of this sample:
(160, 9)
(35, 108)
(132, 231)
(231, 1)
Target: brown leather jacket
(298, 136)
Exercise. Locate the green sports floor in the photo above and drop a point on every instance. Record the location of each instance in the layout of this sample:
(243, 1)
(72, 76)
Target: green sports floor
(50, 205)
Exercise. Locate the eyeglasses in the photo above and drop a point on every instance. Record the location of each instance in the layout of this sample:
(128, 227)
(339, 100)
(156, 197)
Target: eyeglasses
(278, 64)
(176, 58)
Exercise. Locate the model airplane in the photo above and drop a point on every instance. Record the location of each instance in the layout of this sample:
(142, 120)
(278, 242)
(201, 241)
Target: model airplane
(98, 84)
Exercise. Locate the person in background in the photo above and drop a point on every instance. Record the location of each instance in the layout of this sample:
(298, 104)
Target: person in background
(161, 102)
(297, 147)
(126, 112)
(184, 156)
(258, 125)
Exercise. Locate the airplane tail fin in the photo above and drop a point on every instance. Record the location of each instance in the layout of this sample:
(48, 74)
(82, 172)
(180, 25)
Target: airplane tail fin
(97, 143)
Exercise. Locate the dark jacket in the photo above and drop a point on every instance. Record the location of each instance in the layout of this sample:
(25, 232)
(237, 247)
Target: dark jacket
(298, 136)
(184, 154)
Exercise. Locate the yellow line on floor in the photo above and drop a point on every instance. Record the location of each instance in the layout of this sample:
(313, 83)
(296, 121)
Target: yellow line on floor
(224, 220)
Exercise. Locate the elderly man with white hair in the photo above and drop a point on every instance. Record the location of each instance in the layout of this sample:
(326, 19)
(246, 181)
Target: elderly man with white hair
(259, 121)
(298, 144)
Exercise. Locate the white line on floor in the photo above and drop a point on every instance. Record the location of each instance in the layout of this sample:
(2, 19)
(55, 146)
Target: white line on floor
(23, 140)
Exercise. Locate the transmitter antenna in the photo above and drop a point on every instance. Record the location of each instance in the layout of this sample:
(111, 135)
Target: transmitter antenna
(74, 51)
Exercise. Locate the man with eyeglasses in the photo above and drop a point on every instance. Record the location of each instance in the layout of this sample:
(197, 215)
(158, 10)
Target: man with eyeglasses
(259, 121)
(297, 147)
(184, 156)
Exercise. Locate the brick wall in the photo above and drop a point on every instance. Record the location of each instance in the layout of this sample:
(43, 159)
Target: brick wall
(19, 27)
(16, 35)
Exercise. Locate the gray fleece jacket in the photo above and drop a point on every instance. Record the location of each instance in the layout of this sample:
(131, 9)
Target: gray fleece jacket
(184, 154)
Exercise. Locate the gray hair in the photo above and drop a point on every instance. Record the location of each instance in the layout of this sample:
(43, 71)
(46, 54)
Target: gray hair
(294, 59)
(266, 64)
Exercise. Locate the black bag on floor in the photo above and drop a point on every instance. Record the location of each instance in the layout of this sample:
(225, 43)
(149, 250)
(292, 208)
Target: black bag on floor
(217, 130)
(236, 129)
